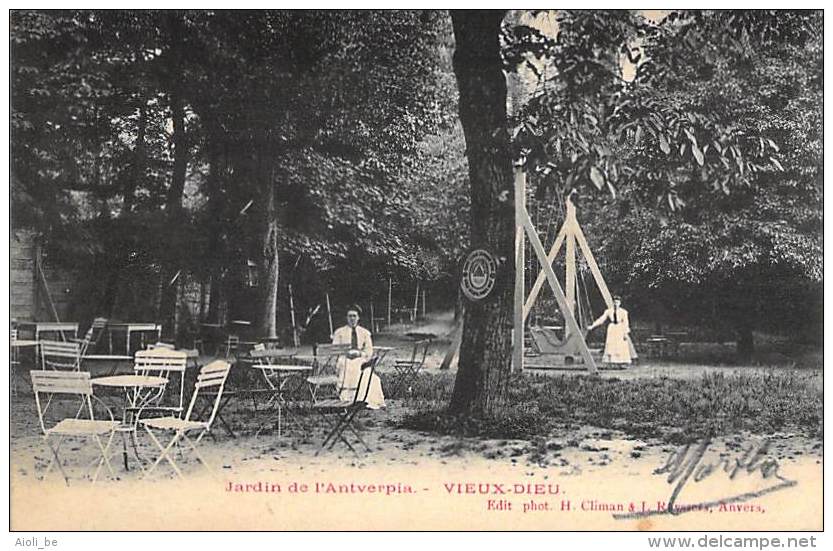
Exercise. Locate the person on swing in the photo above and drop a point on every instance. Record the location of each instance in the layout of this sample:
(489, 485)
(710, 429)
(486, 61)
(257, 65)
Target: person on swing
(617, 345)
(350, 367)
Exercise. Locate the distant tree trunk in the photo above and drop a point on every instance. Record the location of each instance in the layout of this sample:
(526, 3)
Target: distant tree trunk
(172, 263)
(175, 215)
(269, 258)
(215, 251)
(485, 352)
(745, 343)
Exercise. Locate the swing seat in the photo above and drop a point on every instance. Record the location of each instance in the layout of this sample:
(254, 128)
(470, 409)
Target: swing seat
(547, 342)
(556, 353)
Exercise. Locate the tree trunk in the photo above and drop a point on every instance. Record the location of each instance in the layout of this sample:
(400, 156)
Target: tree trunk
(485, 352)
(745, 344)
(175, 214)
(269, 261)
(215, 252)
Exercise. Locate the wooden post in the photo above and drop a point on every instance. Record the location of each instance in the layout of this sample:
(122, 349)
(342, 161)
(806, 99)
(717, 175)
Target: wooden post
(424, 291)
(416, 303)
(39, 266)
(390, 293)
(454, 349)
(594, 267)
(329, 313)
(520, 284)
(570, 262)
(292, 318)
(203, 290)
(372, 318)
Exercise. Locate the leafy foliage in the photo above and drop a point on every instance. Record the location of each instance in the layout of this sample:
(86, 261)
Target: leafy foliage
(704, 128)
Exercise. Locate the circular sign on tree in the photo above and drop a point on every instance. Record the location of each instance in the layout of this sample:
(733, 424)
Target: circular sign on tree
(479, 274)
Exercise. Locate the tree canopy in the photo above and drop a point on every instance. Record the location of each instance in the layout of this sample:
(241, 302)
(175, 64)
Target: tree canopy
(149, 144)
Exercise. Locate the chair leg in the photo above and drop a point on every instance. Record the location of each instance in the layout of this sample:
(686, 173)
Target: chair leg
(105, 450)
(55, 458)
(359, 436)
(165, 452)
(331, 434)
(198, 455)
(337, 433)
(348, 424)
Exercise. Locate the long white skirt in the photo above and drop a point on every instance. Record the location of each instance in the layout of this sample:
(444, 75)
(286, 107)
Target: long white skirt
(350, 375)
(617, 349)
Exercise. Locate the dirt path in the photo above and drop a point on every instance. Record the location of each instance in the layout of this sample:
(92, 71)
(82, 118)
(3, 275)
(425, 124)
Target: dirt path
(419, 481)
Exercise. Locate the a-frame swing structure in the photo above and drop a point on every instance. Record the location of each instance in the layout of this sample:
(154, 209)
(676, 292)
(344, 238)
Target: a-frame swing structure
(570, 236)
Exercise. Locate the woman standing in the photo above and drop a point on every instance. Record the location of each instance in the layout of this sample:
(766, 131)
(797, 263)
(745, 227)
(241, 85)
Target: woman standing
(617, 345)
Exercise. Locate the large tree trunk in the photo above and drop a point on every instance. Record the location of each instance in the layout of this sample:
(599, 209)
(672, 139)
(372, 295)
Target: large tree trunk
(485, 352)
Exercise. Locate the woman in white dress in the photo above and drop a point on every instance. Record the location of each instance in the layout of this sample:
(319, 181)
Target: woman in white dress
(350, 367)
(617, 344)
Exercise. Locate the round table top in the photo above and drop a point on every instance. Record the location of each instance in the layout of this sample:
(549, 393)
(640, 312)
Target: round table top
(130, 381)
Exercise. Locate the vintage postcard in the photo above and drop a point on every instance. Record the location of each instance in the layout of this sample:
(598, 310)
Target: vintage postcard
(506, 270)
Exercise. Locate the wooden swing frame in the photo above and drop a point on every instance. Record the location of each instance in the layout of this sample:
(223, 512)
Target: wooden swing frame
(568, 236)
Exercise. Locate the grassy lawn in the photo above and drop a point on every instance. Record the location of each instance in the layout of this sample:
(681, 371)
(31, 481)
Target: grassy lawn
(673, 410)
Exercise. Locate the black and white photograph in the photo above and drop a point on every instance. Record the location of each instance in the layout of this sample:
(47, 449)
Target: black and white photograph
(415, 270)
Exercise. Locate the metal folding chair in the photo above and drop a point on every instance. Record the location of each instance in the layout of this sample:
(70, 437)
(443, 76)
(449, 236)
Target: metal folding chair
(347, 410)
(325, 362)
(58, 355)
(92, 335)
(406, 371)
(162, 362)
(212, 376)
(52, 383)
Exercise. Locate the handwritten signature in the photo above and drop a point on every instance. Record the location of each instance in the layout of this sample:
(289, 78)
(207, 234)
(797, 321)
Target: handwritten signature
(686, 463)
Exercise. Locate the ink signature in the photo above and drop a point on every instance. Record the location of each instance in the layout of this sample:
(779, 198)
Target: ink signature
(686, 464)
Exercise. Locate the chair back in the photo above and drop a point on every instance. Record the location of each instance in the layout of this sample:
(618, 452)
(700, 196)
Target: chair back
(60, 355)
(366, 374)
(61, 382)
(327, 355)
(93, 334)
(159, 361)
(420, 351)
(211, 376)
(13, 336)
